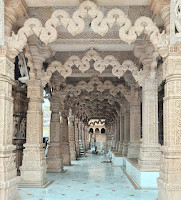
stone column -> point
(135, 126)
(117, 132)
(86, 138)
(169, 182)
(54, 157)
(33, 169)
(121, 133)
(65, 150)
(72, 136)
(77, 137)
(8, 171)
(149, 158)
(83, 135)
(126, 131)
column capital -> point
(13, 10)
(39, 55)
(157, 5)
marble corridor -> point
(111, 73)
(88, 179)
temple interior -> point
(90, 99)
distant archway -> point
(91, 130)
(103, 130)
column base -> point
(33, 169)
(149, 158)
(133, 150)
(168, 191)
(65, 153)
(8, 174)
(54, 158)
(125, 148)
(169, 182)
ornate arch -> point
(100, 86)
(100, 24)
(100, 64)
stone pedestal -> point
(169, 182)
(72, 138)
(8, 171)
(33, 169)
(54, 157)
(65, 151)
(126, 132)
(135, 127)
(149, 158)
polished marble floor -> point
(90, 178)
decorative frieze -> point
(99, 24)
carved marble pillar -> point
(83, 135)
(77, 137)
(54, 157)
(169, 182)
(8, 171)
(121, 140)
(72, 136)
(135, 127)
(33, 169)
(126, 131)
(86, 138)
(117, 132)
(149, 158)
(65, 150)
